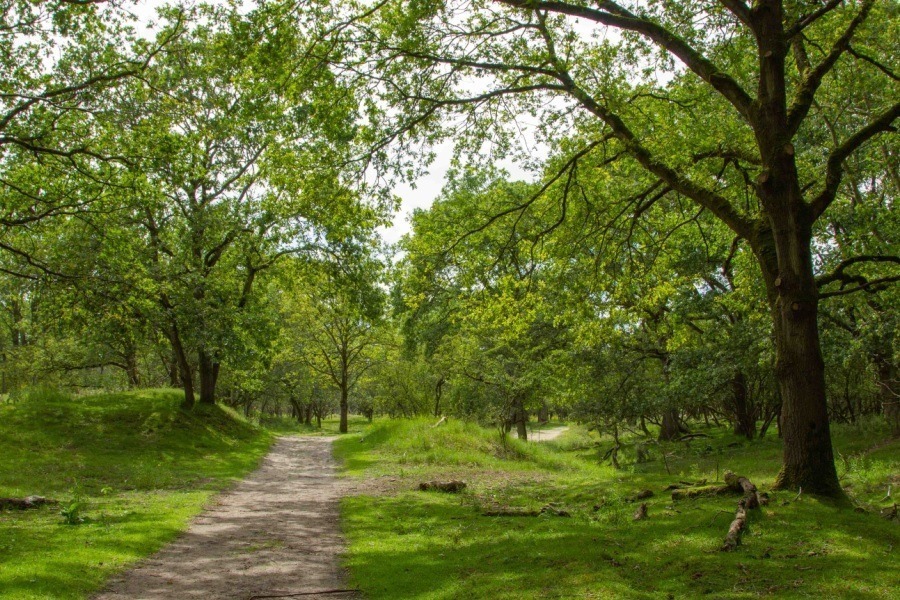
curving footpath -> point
(276, 534)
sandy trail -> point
(547, 434)
(276, 532)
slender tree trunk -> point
(184, 366)
(344, 407)
(744, 414)
(438, 392)
(521, 419)
(888, 390)
(543, 413)
(131, 365)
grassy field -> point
(411, 544)
(130, 469)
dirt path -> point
(276, 532)
(548, 434)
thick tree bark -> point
(786, 261)
(782, 241)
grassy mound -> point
(410, 544)
(129, 470)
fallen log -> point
(510, 512)
(641, 513)
(451, 487)
(513, 511)
(684, 484)
(709, 490)
(25, 503)
(750, 500)
(742, 484)
(733, 537)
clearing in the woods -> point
(132, 470)
(584, 541)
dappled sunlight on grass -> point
(412, 544)
(137, 466)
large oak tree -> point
(720, 102)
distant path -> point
(546, 435)
(276, 532)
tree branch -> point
(835, 169)
(813, 78)
(613, 15)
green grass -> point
(138, 468)
(409, 544)
(287, 425)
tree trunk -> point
(438, 392)
(344, 408)
(786, 263)
(671, 427)
(888, 390)
(743, 413)
(521, 419)
(131, 365)
(209, 372)
(543, 413)
(184, 367)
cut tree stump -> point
(25, 503)
(641, 513)
(451, 487)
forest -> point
(662, 263)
